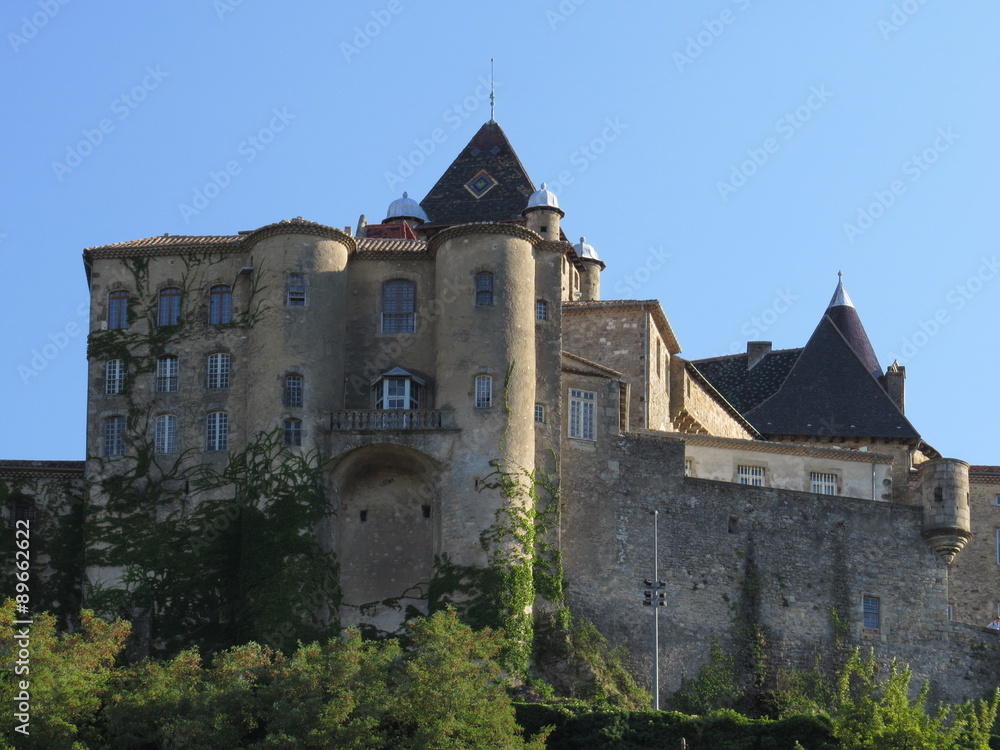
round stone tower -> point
(542, 214)
(301, 328)
(944, 490)
(486, 361)
(590, 279)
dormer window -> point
(397, 389)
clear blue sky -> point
(712, 152)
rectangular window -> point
(541, 310)
(399, 304)
(581, 414)
(296, 296)
(752, 475)
(293, 432)
(218, 370)
(118, 310)
(998, 499)
(220, 308)
(166, 374)
(170, 307)
(114, 436)
(165, 437)
(484, 391)
(951, 612)
(872, 612)
(823, 484)
(539, 414)
(689, 467)
(484, 289)
(114, 377)
(217, 431)
(292, 395)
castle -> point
(465, 333)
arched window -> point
(167, 369)
(397, 389)
(399, 304)
(484, 289)
(165, 434)
(292, 393)
(118, 309)
(220, 304)
(218, 370)
(114, 377)
(114, 436)
(217, 431)
(169, 311)
(293, 432)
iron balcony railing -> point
(390, 419)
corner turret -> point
(590, 278)
(944, 492)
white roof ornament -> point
(586, 251)
(543, 198)
(840, 295)
(406, 208)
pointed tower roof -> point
(486, 182)
(845, 317)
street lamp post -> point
(655, 597)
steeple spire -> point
(844, 316)
(493, 89)
(840, 295)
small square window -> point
(822, 483)
(541, 310)
(296, 296)
(539, 414)
(484, 391)
(872, 611)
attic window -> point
(481, 184)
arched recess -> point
(386, 532)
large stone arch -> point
(385, 532)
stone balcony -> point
(390, 420)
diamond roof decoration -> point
(481, 184)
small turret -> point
(944, 491)
(406, 209)
(542, 214)
(590, 279)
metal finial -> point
(493, 98)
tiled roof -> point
(372, 248)
(486, 182)
(652, 305)
(41, 469)
(173, 241)
(744, 388)
(985, 470)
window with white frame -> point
(118, 309)
(540, 413)
(484, 289)
(484, 391)
(220, 304)
(114, 377)
(295, 293)
(581, 414)
(169, 309)
(689, 467)
(167, 369)
(397, 389)
(871, 608)
(114, 436)
(293, 432)
(822, 483)
(218, 370)
(541, 310)
(217, 431)
(399, 306)
(165, 434)
(292, 392)
(751, 475)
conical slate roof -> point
(486, 182)
(844, 315)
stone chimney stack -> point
(756, 351)
(894, 383)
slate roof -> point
(744, 388)
(501, 194)
(830, 391)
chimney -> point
(894, 383)
(756, 351)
